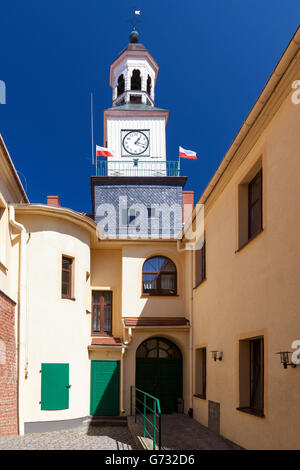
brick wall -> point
(187, 204)
(8, 367)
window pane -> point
(254, 188)
(150, 281)
(255, 219)
(96, 318)
(107, 318)
(142, 351)
(96, 297)
(159, 263)
(167, 282)
(167, 265)
(159, 275)
(163, 353)
(201, 372)
(255, 205)
(256, 376)
(152, 353)
(107, 298)
(66, 262)
(65, 276)
(151, 343)
(65, 289)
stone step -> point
(107, 421)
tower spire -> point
(134, 35)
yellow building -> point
(245, 292)
(102, 305)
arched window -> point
(136, 82)
(159, 276)
(149, 85)
(158, 348)
(121, 85)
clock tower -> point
(135, 133)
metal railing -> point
(136, 168)
(147, 409)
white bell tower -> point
(134, 129)
(133, 75)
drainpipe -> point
(21, 317)
(122, 382)
(191, 330)
(129, 336)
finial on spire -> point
(134, 35)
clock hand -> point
(137, 141)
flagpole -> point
(178, 163)
(92, 128)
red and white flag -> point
(103, 152)
(183, 153)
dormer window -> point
(149, 85)
(121, 85)
(136, 81)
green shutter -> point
(55, 387)
(105, 388)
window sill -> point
(202, 397)
(249, 411)
(248, 241)
(102, 335)
(200, 283)
(146, 296)
(68, 298)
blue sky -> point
(215, 57)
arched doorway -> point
(159, 371)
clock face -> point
(135, 142)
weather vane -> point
(135, 17)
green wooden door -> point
(55, 386)
(160, 376)
(105, 388)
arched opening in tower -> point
(136, 82)
(149, 85)
(121, 85)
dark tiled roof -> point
(106, 341)
(155, 321)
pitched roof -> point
(106, 341)
(155, 321)
(12, 169)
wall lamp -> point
(217, 355)
(285, 359)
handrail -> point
(137, 167)
(155, 426)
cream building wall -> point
(133, 302)
(117, 266)
(106, 274)
(11, 191)
(254, 291)
(57, 329)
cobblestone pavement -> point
(180, 432)
(80, 438)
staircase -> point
(107, 421)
